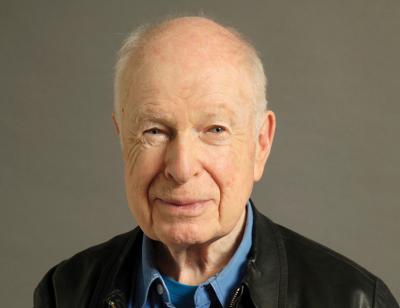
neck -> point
(195, 264)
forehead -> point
(191, 48)
(195, 64)
(164, 91)
(215, 84)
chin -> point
(186, 235)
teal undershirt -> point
(182, 295)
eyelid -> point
(151, 125)
(153, 128)
(224, 128)
(160, 136)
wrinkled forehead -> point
(167, 88)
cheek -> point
(142, 162)
(232, 170)
(141, 166)
(231, 166)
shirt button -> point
(160, 289)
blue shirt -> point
(182, 295)
(151, 286)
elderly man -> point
(195, 132)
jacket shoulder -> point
(301, 249)
(78, 276)
(328, 277)
(95, 258)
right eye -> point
(155, 136)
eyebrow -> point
(228, 112)
(146, 113)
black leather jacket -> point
(284, 270)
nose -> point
(181, 159)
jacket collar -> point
(265, 279)
(115, 282)
(267, 274)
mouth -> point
(190, 207)
(182, 202)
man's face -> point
(189, 149)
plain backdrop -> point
(333, 174)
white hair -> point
(137, 38)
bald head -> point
(193, 39)
(188, 43)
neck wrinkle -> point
(193, 265)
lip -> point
(183, 207)
(183, 202)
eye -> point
(155, 136)
(153, 131)
(217, 129)
(216, 134)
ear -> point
(264, 143)
(116, 126)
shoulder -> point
(79, 276)
(328, 275)
(95, 258)
(313, 275)
(315, 257)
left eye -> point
(153, 131)
(217, 129)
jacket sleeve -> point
(383, 296)
(44, 295)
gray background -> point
(333, 174)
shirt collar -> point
(226, 281)
(147, 273)
(223, 283)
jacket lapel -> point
(116, 281)
(266, 277)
